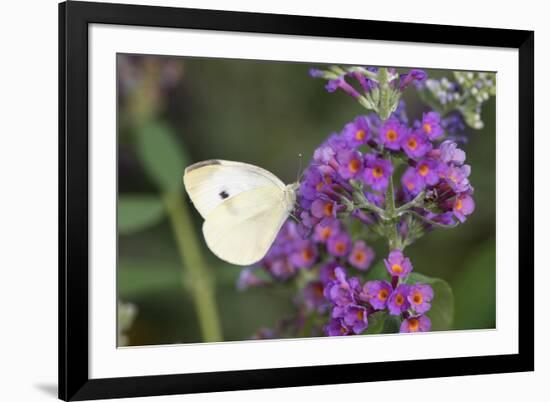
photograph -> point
(262, 200)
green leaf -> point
(138, 212)
(391, 324)
(376, 322)
(442, 312)
(161, 155)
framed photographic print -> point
(256, 200)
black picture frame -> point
(74, 19)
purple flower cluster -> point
(366, 151)
(380, 175)
(353, 303)
(442, 175)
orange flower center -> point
(307, 254)
(427, 128)
(377, 172)
(396, 268)
(417, 298)
(399, 299)
(328, 209)
(412, 143)
(410, 185)
(340, 247)
(423, 170)
(383, 294)
(360, 315)
(458, 204)
(325, 233)
(321, 184)
(318, 290)
(359, 256)
(413, 325)
(360, 135)
(391, 135)
(354, 166)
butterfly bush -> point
(379, 177)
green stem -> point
(431, 222)
(416, 202)
(196, 272)
(362, 202)
(393, 235)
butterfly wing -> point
(212, 182)
(241, 229)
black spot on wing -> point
(224, 194)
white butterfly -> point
(244, 207)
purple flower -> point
(420, 296)
(427, 171)
(324, 208)
(327, 150)
(391, 134)
(307, 221)
(463, 206)
(415, 144)
(340, 83)
(313, 183)
(248, 279)
(324, 230)
(314, 298)
(304, 254)
(377, 172)
(357, 132)
(336, 328)
(397, 264)
(366, 83)
(350, 163)
(339, 245)
(280, 269)
(342, 291)
(376, 293)
(316, 73)
(457, 178)
(361, 255)
(327, 272)
(355, 317)
(431, 125)
(445, 218)
(450, 153)
(419, 323)
(398, 302)
(413, 75)
(412, 184)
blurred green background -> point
(175, 111)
